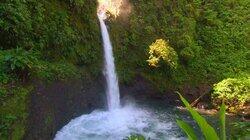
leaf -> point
(222, 121)
(7, 57)
(207, 130)
(187, 129)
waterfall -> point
(112, 90)
(118, 122)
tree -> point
(161, 50)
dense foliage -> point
(160, 50)
(60, 39)
(211, 39)
(234, 92)
(37, 35)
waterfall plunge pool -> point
(151, 119)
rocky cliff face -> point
(53, 105)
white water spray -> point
(112, 91)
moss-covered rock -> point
(14, 112)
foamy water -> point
(118, 124)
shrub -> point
(22, 63)
(17, 59)
(235, 92)
(161, 50)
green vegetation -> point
(240, 131)
(161, 50)
(234, 92)
(190, 43)
(211, 39)
(207, 130)
(48, 45)
(13, 113)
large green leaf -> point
(222, 122)
(187, 129)
(207, 130)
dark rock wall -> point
(53, 106)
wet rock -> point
(53, 105)
(202, 105)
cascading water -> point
(118, 122)
(112, 91)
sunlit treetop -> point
(161, 50)
(110, 6)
